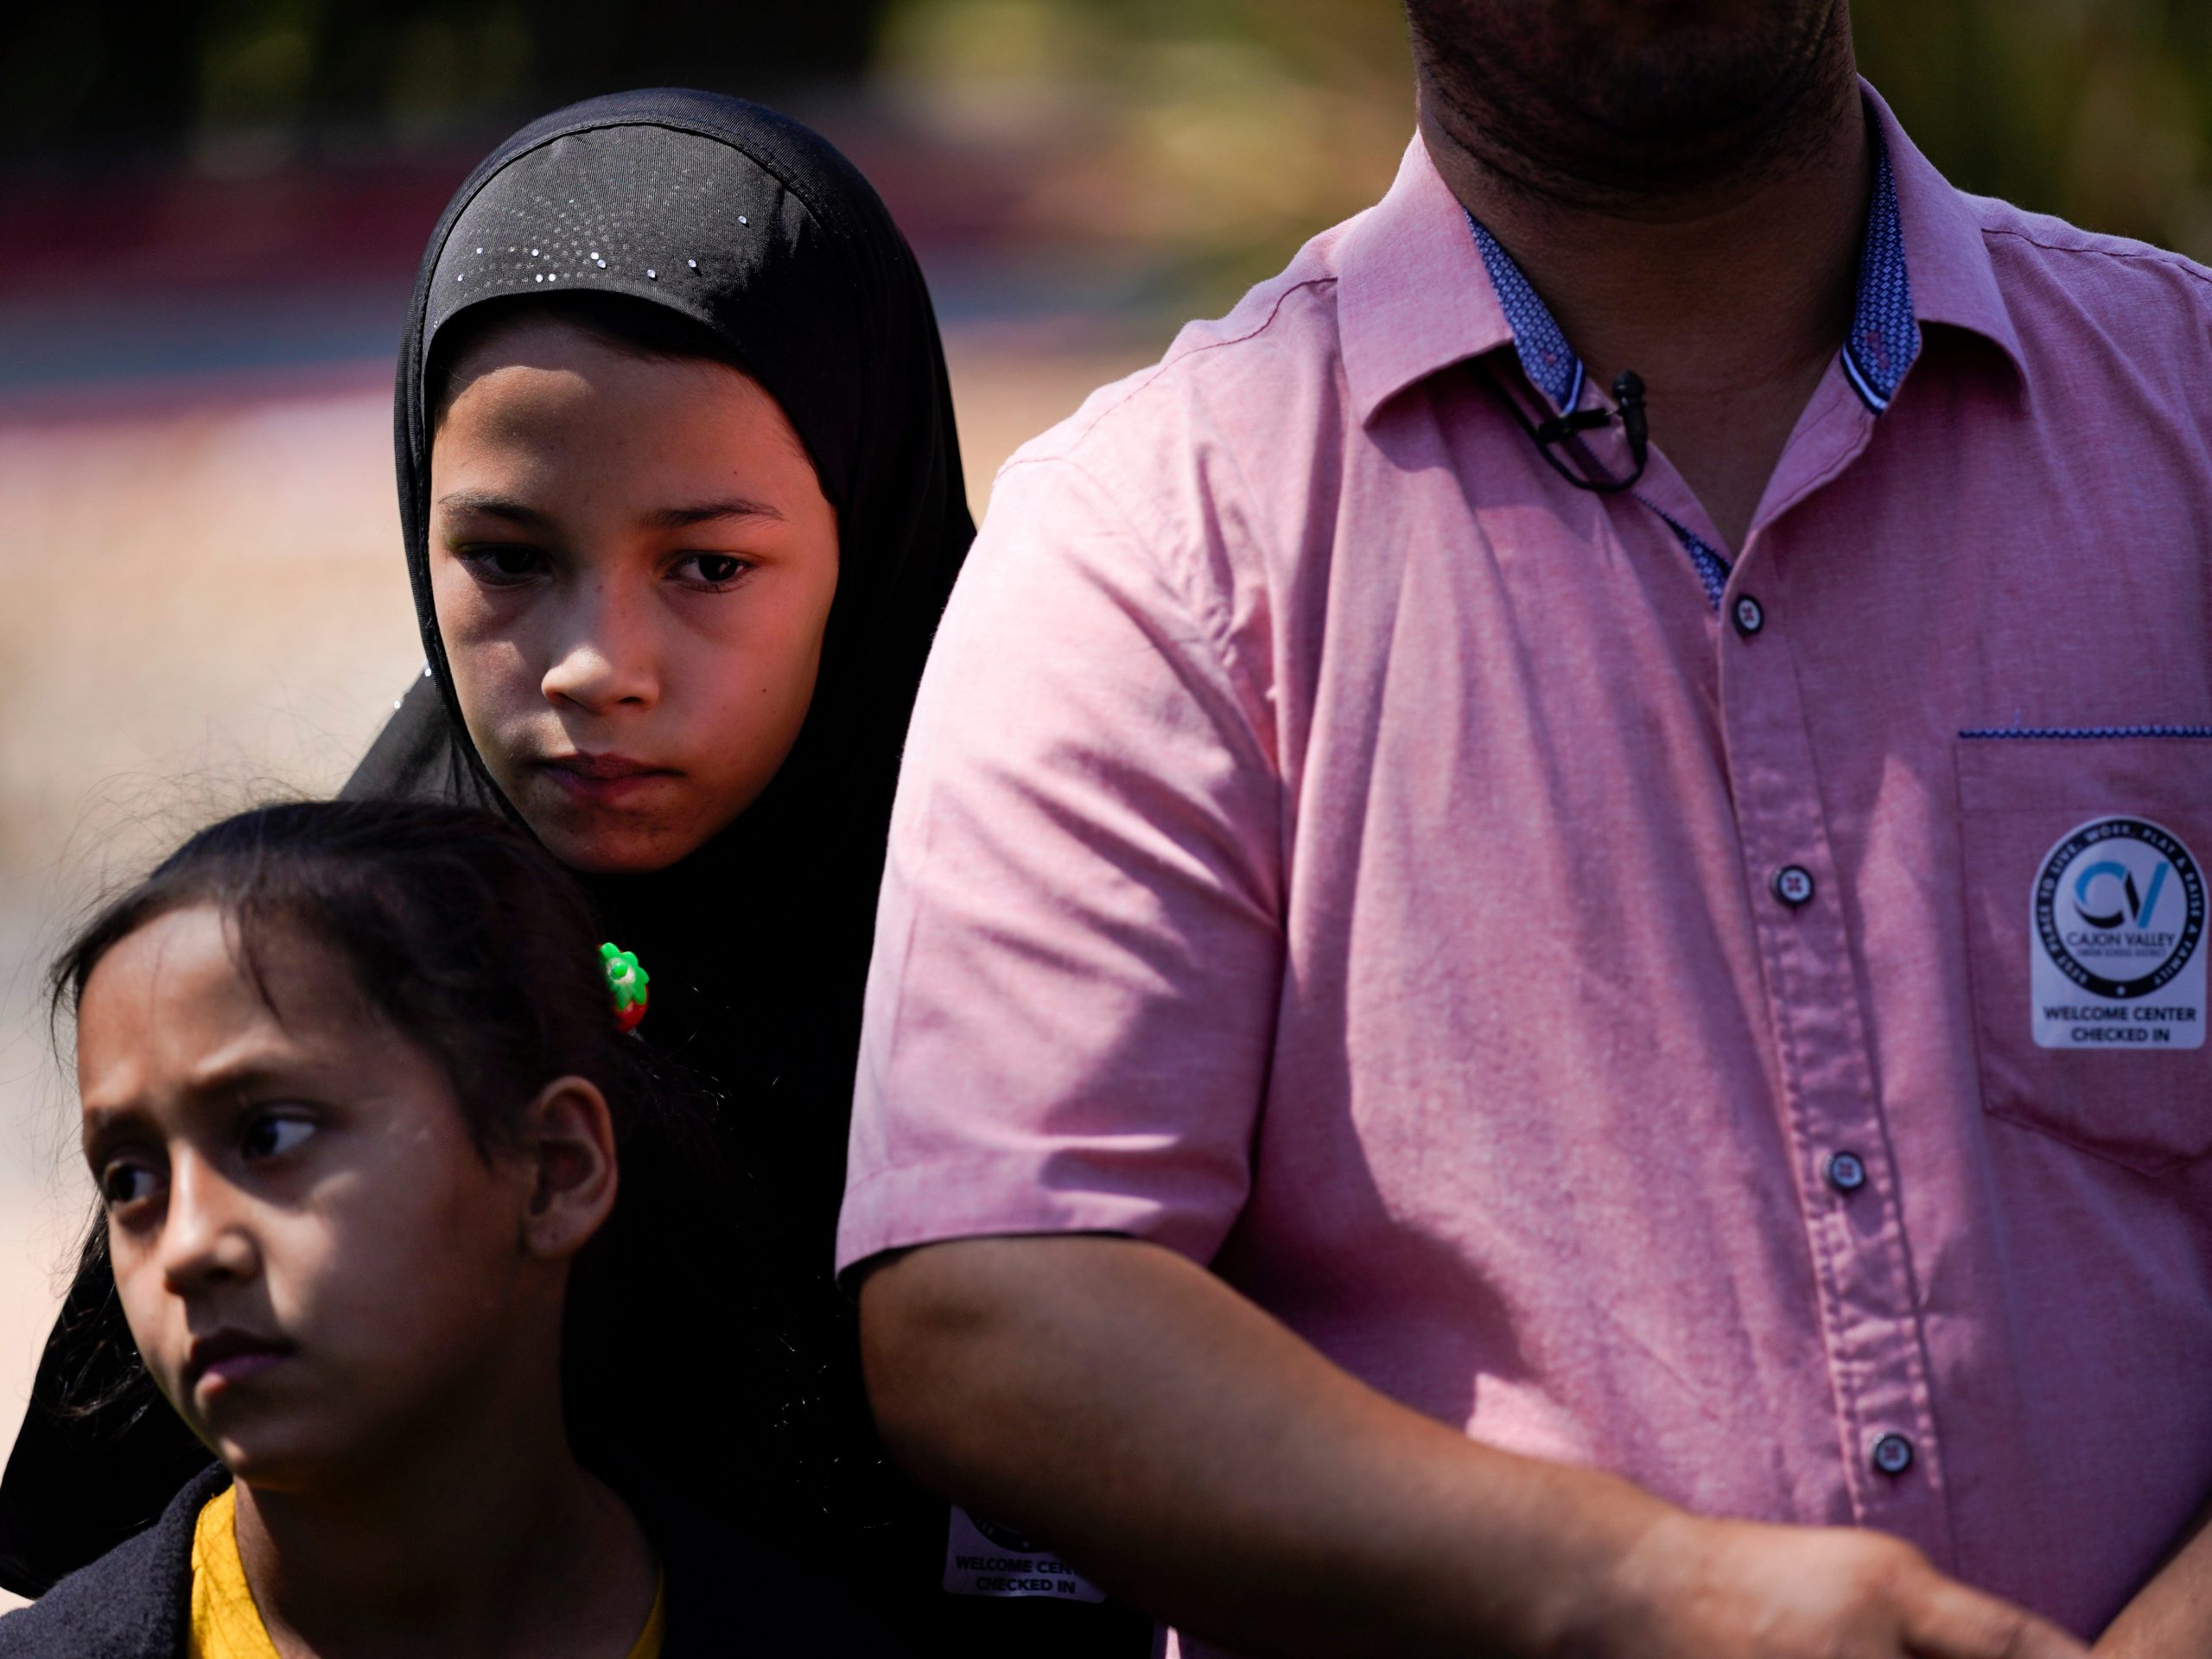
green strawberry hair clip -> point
(627, 982)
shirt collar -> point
(1939, 228)
(1412, 295)
(1417, 294)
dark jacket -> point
(727, 1594)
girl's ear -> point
(567, 1141)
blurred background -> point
(210, 213)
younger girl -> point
(377, 1166)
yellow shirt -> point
(226, 1624)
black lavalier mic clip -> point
(1588, 474)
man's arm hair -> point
(1191, 1453)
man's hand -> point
(1186, 1450)
(1695, 1589)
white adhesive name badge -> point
(2116, 925)
(984, 1559)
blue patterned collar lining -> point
(1884, 336)
(1885, 339)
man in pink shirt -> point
(1542, 985)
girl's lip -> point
(605, 767)
(605, 780)
(229, 1358)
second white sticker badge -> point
(2116, 927)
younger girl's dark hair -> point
(470, 940)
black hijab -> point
(756, 230)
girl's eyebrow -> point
(243, 1074)
(496, 507)
(101, 1124)
(685, 518)
(515, 513)
(247, 1074)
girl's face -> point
(633, 564)
(317, 1263)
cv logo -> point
(2120, 908)
(2136, 909)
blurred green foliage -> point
(2099, 110)
(1206, 137)
(233, 83)
(1214, 132)
(1233, 127)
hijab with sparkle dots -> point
(757, 229)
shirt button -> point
(1793, 885)
(1892, 1455)
(1846, 1172)
(1750, 616)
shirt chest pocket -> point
(2085, 935)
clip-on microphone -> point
(1627, 395)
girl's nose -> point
(205, 1239)
(606, 660)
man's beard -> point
(1602, 100)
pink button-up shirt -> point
(1603, 1012)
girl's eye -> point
(126, 1182)
(274, 1135)
(713, 569)
(502, 562)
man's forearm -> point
(2170, 1618)
(1185, 1449)
(1192, 1453)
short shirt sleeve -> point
(1078, 947)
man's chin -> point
(1638, 97)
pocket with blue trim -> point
(2085, 894)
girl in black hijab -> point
(678, 227)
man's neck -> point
(1730, 301)
(488, 1541)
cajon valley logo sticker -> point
(2118, 922)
